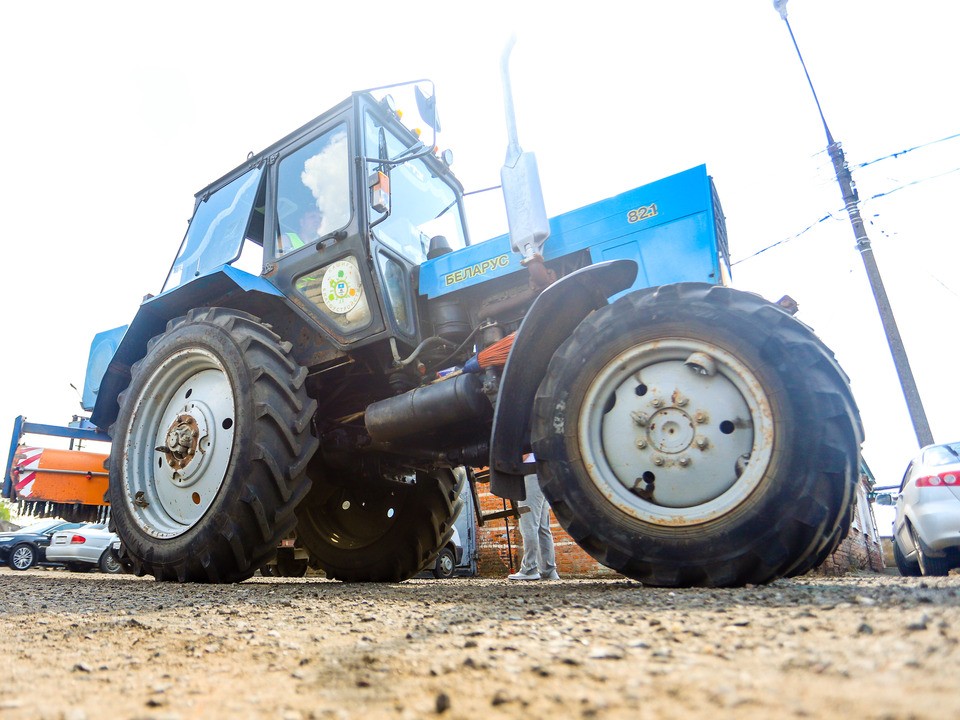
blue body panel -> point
(102, 350)
(123, 342)
(668, 227)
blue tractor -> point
(331, 353)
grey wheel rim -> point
(446, 564)
(676, 432)
(180, 441)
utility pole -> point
(851, 201)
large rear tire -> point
(379, 530)
(829, 546)
(695, 435)
(210, 449)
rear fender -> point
(227, 287)
(550, 320)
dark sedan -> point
(22, 549)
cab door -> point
(319, 250)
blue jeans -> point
(538, 550)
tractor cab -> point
(321, 234)
(307, 213)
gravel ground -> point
(85, 646)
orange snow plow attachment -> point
(59, 476)
(50, 482)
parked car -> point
(22, 549)
(85, 548)
(926, 528)
(449, 558)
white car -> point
(926, 529)
(449, 558)
(84, 548)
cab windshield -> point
(423, 205)
(216, 232)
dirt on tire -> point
(865, 646)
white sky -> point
(115, 113)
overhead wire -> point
(913, 182)
(908, 150)
(831, 215)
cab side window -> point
(313, 191)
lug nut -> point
(657, 460)
(684, 461)
(641, 444)
(657, 402)
(701, 442)
(639, 418)
(700, 417)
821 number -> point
(644, 212)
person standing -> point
(539, 558)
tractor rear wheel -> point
(695, 435)
(379, 530)
(210, 449)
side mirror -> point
(427, 106)
(379, 181)
(884, 499)
(380, 191)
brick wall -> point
(862, 548)
(856, 552)
(495, 551)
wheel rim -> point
(22, 558)
(676, 432)
(350, 520)
(446, 564)
(110, 563)
(921, 560)
(180, 441)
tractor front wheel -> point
(695, 435)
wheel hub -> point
(186, 441)
(182, 440)
(671, 431)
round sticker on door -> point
(341, 287)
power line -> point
(904, 152)
(914, 182)
(807, 229)
(831, 216)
